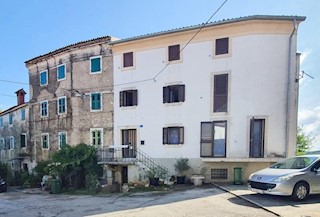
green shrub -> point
(3, 170)
(92, 183)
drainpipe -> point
(288, 89)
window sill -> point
(173, 145)
(96, 110)
(94, 73)
(173, 103)
(128, 107)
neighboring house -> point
(71, 97)
(15, 149)
(227, 99)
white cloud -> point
(310, 122)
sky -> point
(30, 28)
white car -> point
(296, 177)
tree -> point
(304, 141)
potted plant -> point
(181, 165)
(152, 175)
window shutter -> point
(165, 136)
(121, 98)
(166, 94)
(181, 135)
(174, 52)
(135, 97)
(93, 101)
(98, 101)
(181, 93)
(95, 64)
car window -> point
(315, 166)
(294, 163)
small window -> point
(222, 46)
(23, 114)
(174, 93)
(173, 135)
(43, 78)
(62, 139)
(96, 136)
(45, 140)
(62, 105)
(44, 109)
(61, 72)
(96, 102)
(1, 122)
(128, 98)
(174, 52)
(95, 65)
(220, 101)
(128, 59)
(219, 173)
(23, 140)
(2, 144)
(10, 118)
(11, 143)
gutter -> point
(288, 89)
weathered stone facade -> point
(77, 87)
(15, 147)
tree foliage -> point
(304, 141)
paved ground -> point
(282, 206)
(206, 201)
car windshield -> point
(294, 163)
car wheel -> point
(300, 191)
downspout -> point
(288, 89)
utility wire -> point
(14, 82)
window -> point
(44, 109)
(1, 121)
(61, 72)
(23, 140)
(11, 143)
(174, 93)
(173, 135)
(128, 59)
(2, 144)
(128, 98)
(219, 173)
(222, 46)
(96, 102)
(45, 140)
(220, 101)
(62, 138)
(43, 78)
(95, 65)
(62, 105)
(23, 114)
(213, 139)
(96, 136)
(174, 52)
(257, 129)
(10, 118)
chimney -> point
(20, 96)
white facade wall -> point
(257, 68)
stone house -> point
(226, 99)
(15, 147)
(71, 97)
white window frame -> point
(41, 141)
(59, 140)
(11, 143)
(96, 129)
(98, 72)
(101, 103)
(10, 114)
(46, 71)
(44, 101)
(65, 98)
(25, 145)
(65, 72)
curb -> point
(246, 199)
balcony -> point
(117, 155)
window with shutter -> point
(220, 101)
(62, 138)
(174, 52)
(62, 105)
(23, 140)
(174, 93)
(128, 59)
(96, 104)
(45, 141)
(222, 46)
(44, 109)
(95, 65)
(43, 78)
(128, 98)
(257, 130)
(61, 72)
(23, 114)
(173, 135)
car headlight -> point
(250, 177)
(283, 178)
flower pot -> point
(181, 179)
(197, 180)
(154, 181)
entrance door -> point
(129, 138)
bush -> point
(92, 183)
(181, 165)
(3, 170)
